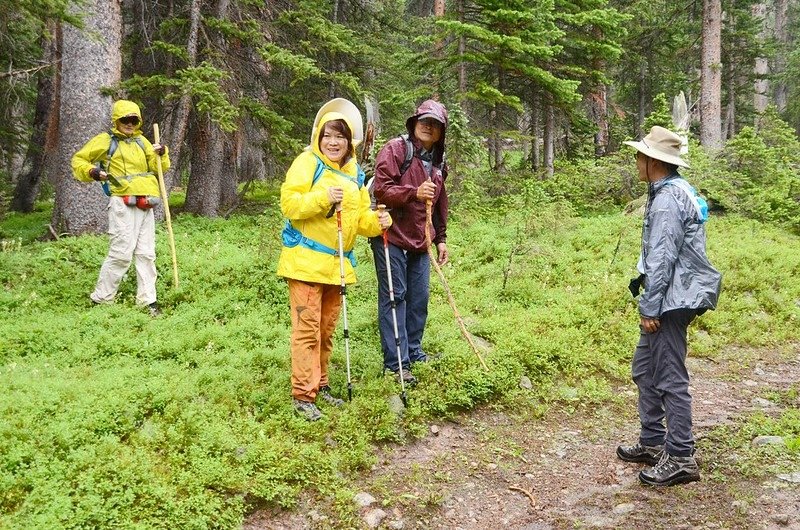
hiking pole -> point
(394, 310)
(450, 298)
(165, 202)
(344, 300)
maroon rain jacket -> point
(399, 192)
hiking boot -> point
(325, 394)
(645, 454)
(408, 378)
(306, 409)
(671, 470)
(154, 309)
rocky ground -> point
(493, 470)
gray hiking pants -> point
(659, 370)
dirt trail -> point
(489, 470)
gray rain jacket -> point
(677, 273)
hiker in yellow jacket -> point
(323, 175)
(124, 162)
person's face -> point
(127, 124)
(641, 165)
(428, 132)
(333, 144)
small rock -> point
(624, 508)
(794, 478)
(749, 382)
(530, 476)
(525, 382)
(397, 525)
(741, 506)
(435, 430)
(492, 466)
(396, 405)
(762, 403)
(374, 517)
(781, 519)
(759, 371)
(364, 499)
(758, 441)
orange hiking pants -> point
(315, 311)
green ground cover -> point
(113, 419)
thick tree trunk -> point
(761, 69)
(729, 124)
(711, 75)
(782, 37)
(88, 63)
(45, 126)
(598, 113)
(211, 181)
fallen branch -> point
(526, 492)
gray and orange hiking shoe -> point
(644, 454)
(671, 470)
(306, 409)
(325, 394)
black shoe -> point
(154, 309)
(644, 454)
(671, 470)
(325, 394)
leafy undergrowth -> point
(184, 421)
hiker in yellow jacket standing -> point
(322, 176)
(124, 162)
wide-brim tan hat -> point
(661, 144)
(350, 112)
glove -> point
(160, 149)
(97, 174)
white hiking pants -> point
(132, 233)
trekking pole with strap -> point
(343, 292)
(450, 298)
(394, 311)
(165, 201)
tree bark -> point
(549, 137)
(783, 39)
(45, 126)
(536, 118)
(211, 184)
(176, 134)
(761, 69)
(711, 75)
(462, 48)
(88, 63)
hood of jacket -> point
(440, 113)
(331, 116)
(122, 108)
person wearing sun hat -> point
(323, 175)
(679, 284)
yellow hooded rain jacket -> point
(133, 168)
(306, 205)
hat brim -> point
(431, 116)
(349, 111)
(658, 155)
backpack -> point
(699, 203)
(112, 148)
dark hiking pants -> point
(411, 282)
(659, 370)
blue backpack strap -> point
(292, 237)
(321, 166)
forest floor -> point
(492, 469)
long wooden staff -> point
(165, 202)
(450, 298)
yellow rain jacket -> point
(133, 167)
(306, 205)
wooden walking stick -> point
(450, 298)
(165, 201)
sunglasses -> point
(129, 120)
